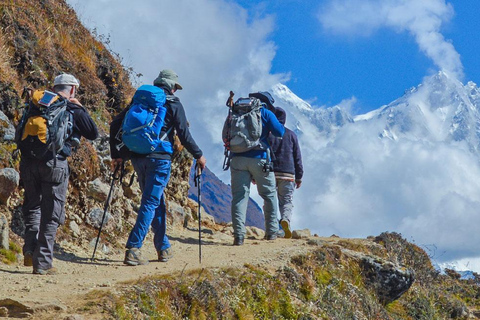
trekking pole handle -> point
(230, 99)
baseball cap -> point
(66, 79)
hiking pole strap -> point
(118, 167)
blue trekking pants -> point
(153, 175)
(43, 207)
(243, 170)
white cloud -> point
(358, 184)
(213, 45)
(422, 19)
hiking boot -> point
(45, 272)
(133, 257)
(271, 237)
(165, 255)
(286, 228)
(28, 259)
(238, 241)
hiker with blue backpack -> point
(144, 133)
(48, 131)
(248, 156)
(288, 169)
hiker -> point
(153, 170)
(253, 164)
(45, 178)
(288, 170)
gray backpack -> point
(243, 127)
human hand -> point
(298, 183)
(202, 162)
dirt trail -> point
(78, 275)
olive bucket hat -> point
(169, 78)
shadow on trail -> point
(16, 271)
(63, 255)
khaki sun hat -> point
(66, 79)
(168, 77)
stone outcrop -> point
(4, 232)
(9, 180)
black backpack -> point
(45, 126)
(118, 149)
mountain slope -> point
(217, 198)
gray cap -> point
(66, 79)
(168, 77)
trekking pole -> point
(198, 184)
(114, 178)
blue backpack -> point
(144, 121)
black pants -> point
(43, 207)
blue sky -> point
(326, 68)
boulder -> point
(9, 180)
(7, 130)
(388, 280)
(98, 190)
(94, 218)
(4, 231)
(301, 234)
(254, 232)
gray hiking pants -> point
(243, 170)
(43, 207)
(285, 190)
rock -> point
(74, 317)
(255, 232)
(175, 215)
(15, 309)
(388, 280)
(301, 234)
(94, 217)
(98, 190)
(4, 232)
(75, 228)
(7, 130)
(9, 180)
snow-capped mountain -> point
(440, 109)
(411, 166)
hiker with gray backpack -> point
(48, 131)
(144, 133)
(245, 132)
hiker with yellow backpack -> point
(49, 129)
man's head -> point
(281, 115)
(66, 83)
(169, 79)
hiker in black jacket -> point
(46, 181)
(288, 170)
(153, 172)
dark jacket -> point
(83, 126)
(174, 119)
(270, 124)
(286, 150)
